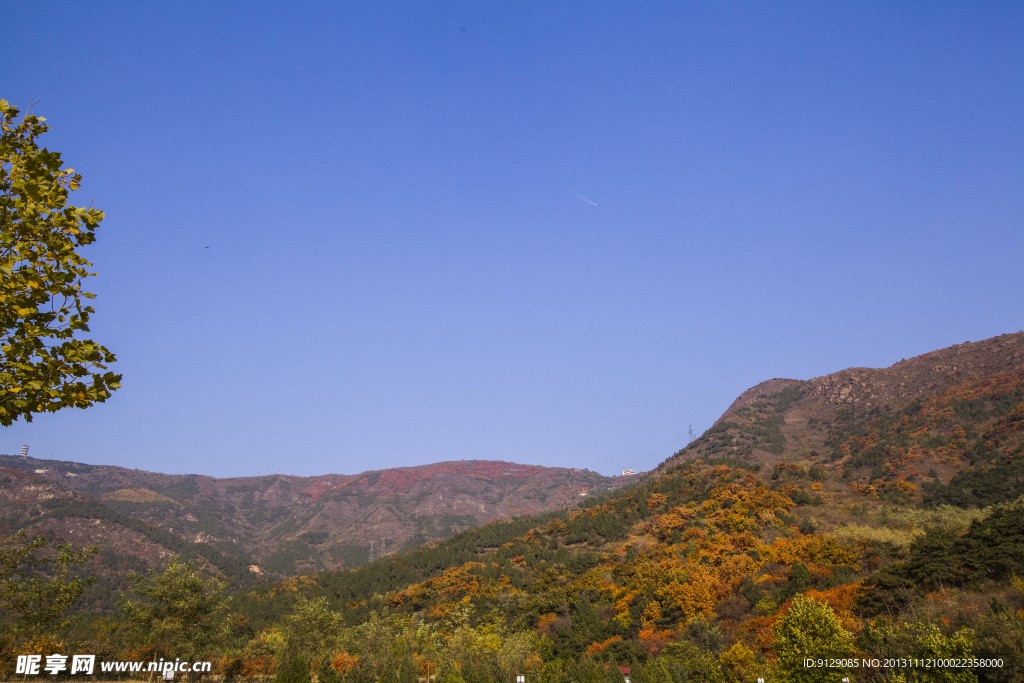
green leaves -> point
(43, 365)
(810, 631)
(177, 614)
(34, 585)
(311, 628)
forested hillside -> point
(871, 514)
(248, 529)
(865, 491)
(945, 427)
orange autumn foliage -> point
(841, 599)
(343, 662)
(264, 665)
(545, 622)
(598, 648)
(653, 640)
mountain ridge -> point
(804, 431)
(801, 491)
(277, 525)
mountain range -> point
(946, 427)
(274, 526)
(892, 497)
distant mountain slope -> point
(280, 525)
(946, 426)
(44, 507)
(803, 487)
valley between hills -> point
(870, 513)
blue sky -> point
(347, 236)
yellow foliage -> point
(906, 486)
(676, 518)
(819, 549)
(554, 526)
(858, 531)
(741, 664)
(656, 500)
(1018, 584)
(545, 622)
(864, 489)
(41, 645)
(622, 608)
(651, 614)
(696, 595)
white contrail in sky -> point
(577, 194)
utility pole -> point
(372, 543)
(690, 432)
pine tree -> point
(363, 674)
(613, 674)
(449, 673)
(407, 669)
(659, 671)
(294, 670)
(586, 627)
(327, 673)
(590, 671)
(571, 670)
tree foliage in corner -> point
(43, 365)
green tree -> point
(294, 670)
(613, 674)
(705, 635)
(176, 613)
(407, 668)
(1000, 635)
(553, 672)
(44, 367)
(449, 673)
(586, 626)
(811, 630)
(689, 662)
(656, 670)
(924, 641)
(326, 673)
(589, 671)
(516, 649)
(35, 590)
(311, 628)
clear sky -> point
(349, 236)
